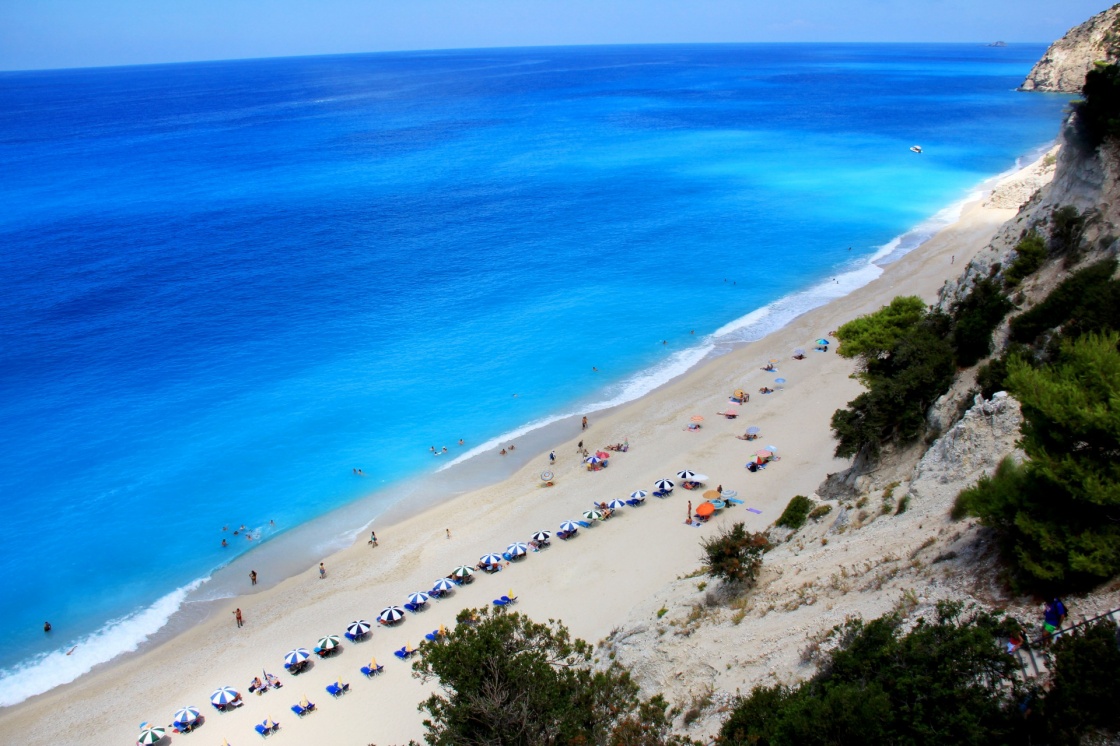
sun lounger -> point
(300, 710)
(412, 607)
(507, 556)
(510, 599)
(500, 602)
(370, 671)
(264, 730)
(584, 524)
(337, 691)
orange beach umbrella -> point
(704, 509)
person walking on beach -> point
(237, 618)
(322, 571)
(689, 519)
(579, 445)
(253, 576)
(373, 538)
(448, 533)
(552, 458)
(584, 423)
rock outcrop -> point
(1062, 69)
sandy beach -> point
(591, 583)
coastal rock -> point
(971, 448)
(1062, 69)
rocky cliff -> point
(1062, 69)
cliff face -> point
(1062, 69)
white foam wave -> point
(57, 667)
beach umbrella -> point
(779, 380)
(823, 342)
(699, 477)
(419, 598)
(542, 536)
(712, 494)
(359, 628)
(462, 571)
(299, 655)
(391, 614)
(764, 453)
(186, 715)
(593, 515)
(546, 476)
(443, 585)
(704, 509)
(602, 454)
(616, 504)
(593, 460)
(517, 549)
(686, 475)
(664, 484)
(697, 418)
(568, 526)
(150, 735)
(739, 393)
(638, 495)
(720, 505)
(330, 642)
(798, 351)
(752, 430)
(491, 559)
(225, 695)
(772, 448)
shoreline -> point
(483, 515)
(204, 597)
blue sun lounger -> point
(584, 524)
(369, 673)
(300, 710)
(337, 691)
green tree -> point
(506, 680)
(734, 554)
(902, 381)
(1084, 687)
(1086, 301)
(876, 334)
(944, 682)
(1059, 514)
(1030, 253)
(974, 318)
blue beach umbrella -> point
(638, 495)
(664, 484)
(773, 449)
(685, 474)
(540, 536)
(224, 696)
(779, 380)
(616, 504)
(752, 430)
(490, 559)
(517, 548)
(593, 460)
(568, 526)
(186, 715)
(443, 585)
(299, 655)
(391, 614)
(419, 598)
(823, 342)
(358, 628)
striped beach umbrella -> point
(664, 484)
(443, 585)
(546, 476)
(686, 475)
(224, 696)
(752, 430)
(593, 460)
(616, 504)
(359, 628)
(391, 614)
(490, 559)
(517, 549)
(462, 571)
(151, 735)
(638, 495)
(593, 515)
(186, 715)
(330, 642)
(568, 526)
(294, 657)
(542, 536)
(419, 598)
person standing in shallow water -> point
(253, 576)
(322, 571)
(584, 423)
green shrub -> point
(795, 513)
(1086, 301)
(734, 554)
(1098, 113)
(974, 318)
(903, 504)
(1067, 226)
(819, 512)
(944, 682)
(1084, 689)
(1030, 253)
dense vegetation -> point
(944, 682)
(506, 680)
(1098, 113)
(975, 317)
(1084, 691)
(734, 554)
(1086, 301)
(1030, 253)
(796, 512)
(1059, 513)
(907, 362)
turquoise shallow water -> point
(224, 286)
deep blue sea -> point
(226, 285)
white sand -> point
(591, 582)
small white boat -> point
(915, 148)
